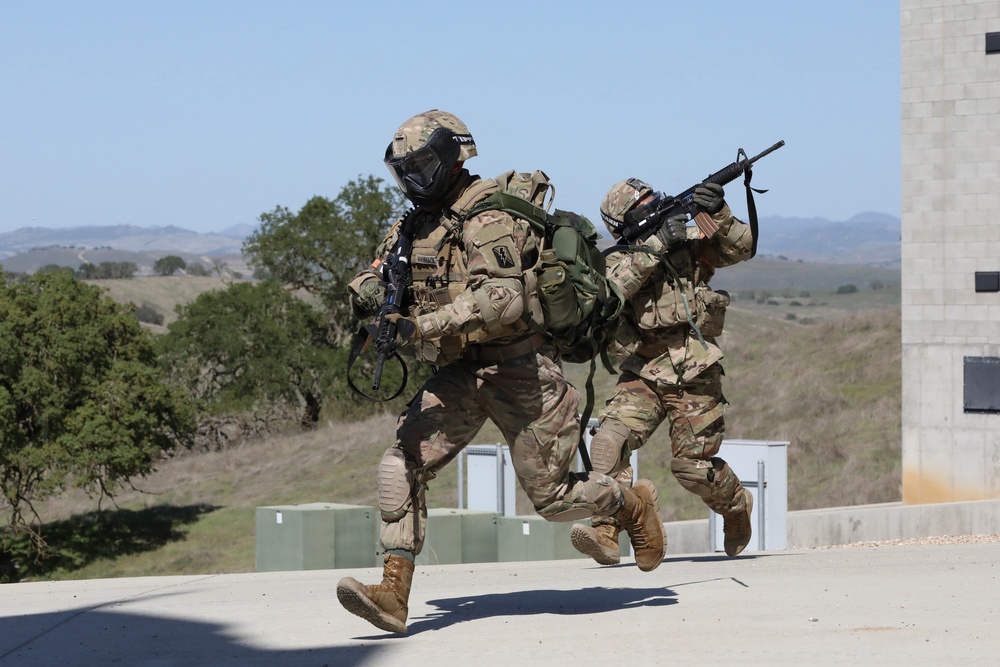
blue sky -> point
(205, 114)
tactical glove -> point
(368, 300)
(406, 327)
(673, 231)
(710, 196)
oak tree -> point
(83, 401)
(322, 247)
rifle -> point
(666, 207)
(396, 277)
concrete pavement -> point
(888, 605)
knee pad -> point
(608, 446)
(395, 486)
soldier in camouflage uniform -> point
(465, 305)
(671, 371)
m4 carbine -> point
(684, 204)
(396, 278)
(396, 274)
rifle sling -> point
(358, 343)
(752, 209)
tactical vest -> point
(440, 275)
(680, 297)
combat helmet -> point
(424, 152)
(620, 200)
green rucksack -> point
(576, 305)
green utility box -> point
(534, 538)
(316, 536)
(459, 536)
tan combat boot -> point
(383, 605)
(599, 542)
(640, 518)
(737, 528)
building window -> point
(982, 384)
(993, 42)
(988, 281)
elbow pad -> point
(500, 302)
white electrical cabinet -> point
(491, 480)
(762, 466)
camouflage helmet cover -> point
(415, 132)
(620, 199)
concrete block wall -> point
(860, 523)
(950, 112)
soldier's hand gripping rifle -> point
(396, 278)
(396, 270)
(664, 207)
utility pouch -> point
(451, 348)
(712, 312)
(557, 293)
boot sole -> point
(655, 495)
(584, 542)
(647, 493)
(735, 549)
(354, 601)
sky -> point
(205, 114)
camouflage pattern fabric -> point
(496, 247)
(694, 415)
(414, 133)
(470, 289)
(484, 263)
(533, 405)
(671, 371)
(620, 199)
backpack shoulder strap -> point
(473, 196)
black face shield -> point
(425, 174)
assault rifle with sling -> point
(667, 207)
(396, 278)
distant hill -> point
(869, 239)
(238, 231)
(165, 240)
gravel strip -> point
(917, 541)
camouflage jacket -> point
(467, 276)
(672, 317)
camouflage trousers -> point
(535, 408)
(694, 412)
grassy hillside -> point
(162, 293)
(778, 275)
(72, 257)
(831, 388)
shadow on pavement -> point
(103, 534)
(91, 636)
(579, 601)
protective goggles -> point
(419, 171)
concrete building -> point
(950, 75)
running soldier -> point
(672, 370)
(464, 316)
